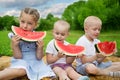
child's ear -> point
(85, 28)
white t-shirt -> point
(89, 47)
(52, 50)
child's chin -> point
(95, 37)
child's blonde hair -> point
(62, 23)
(92, 20)
(31, 11)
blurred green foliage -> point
(106, 10)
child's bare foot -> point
(115, 74)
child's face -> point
(92, 32)
(60, 33)
(27, 22)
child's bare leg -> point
(113, 70)
(10, 73)
(61, 73)
(114, 67)
(91, 69)
(74, 75)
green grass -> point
(4, 43)
(72, 38)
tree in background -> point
(6, 22)
(107, 10)
(47, 24)
(113, 15)
(71, 14)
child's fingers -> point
(61, 52)
(80, 55)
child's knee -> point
(91, 69)
(19, 72)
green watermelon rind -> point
(26, 39)
(67, 53)
(102, 52)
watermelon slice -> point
(106, 48)
(70, 49)
(28, 35)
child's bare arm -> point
(15, 47)
(40, 52)
(51, 58)
(70, 59)
(86, 59)
(98, 57)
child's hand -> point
(60, 54)
(80, 55)
(15, 40)
(99, 55)
(40, 43)
(115, 50)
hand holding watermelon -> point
(100, 55)
(106, 48)
(15, 40)
(30, 36)
(40, 44)
(60, 54)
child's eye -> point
(63, 34)
(30, 23)
(57, 33)
(22, 21)
(95, 29)
(99, 29)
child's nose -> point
(59, 36)
(25, 26)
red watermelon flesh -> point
(107, 48)
(28, 35)
(70, 49)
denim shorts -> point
(81, 68)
